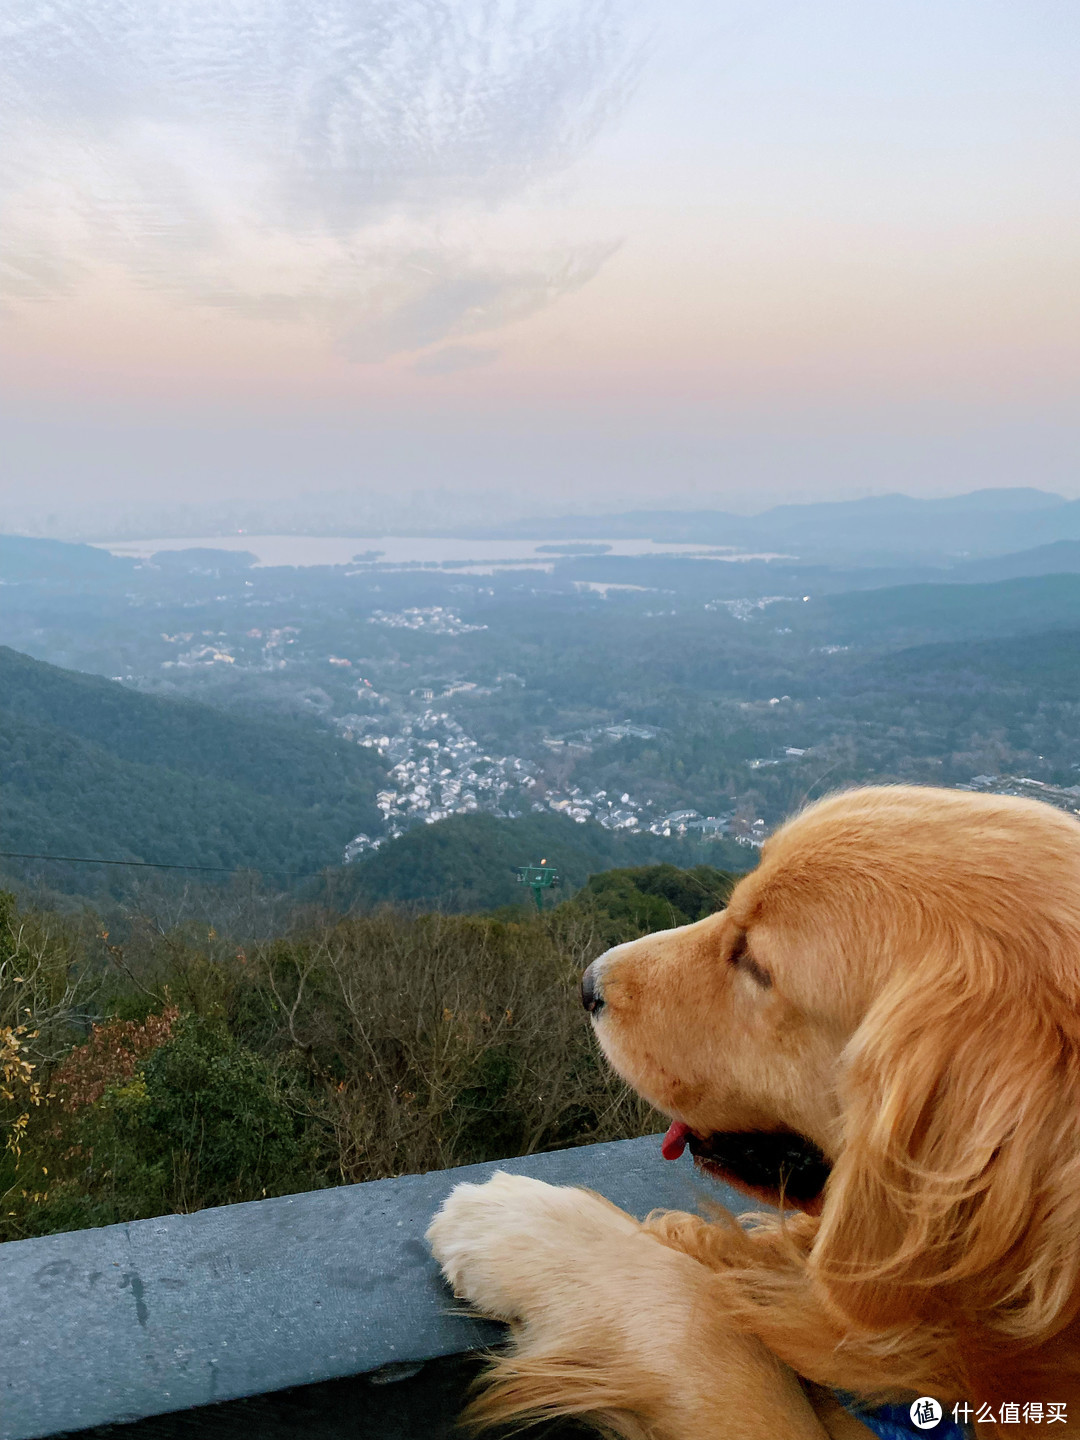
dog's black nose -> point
(591, 995)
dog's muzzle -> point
(592, 996)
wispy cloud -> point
(420, 300)
(253, 153)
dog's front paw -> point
(513, 1245)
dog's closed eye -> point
(741, 958)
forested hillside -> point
(616, 690)
(52, 563)
(467, 862)
(909, 614)
(1005, 676)
(91, 768)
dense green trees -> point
(653, 897)
(178, 1070)
(89, 767)
(467, 862)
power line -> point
(155, 865)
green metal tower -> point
(538, 878)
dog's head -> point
(885, 1024)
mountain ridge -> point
(89, 767)
(988, 522)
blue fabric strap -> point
(893, 1422)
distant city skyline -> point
(543, 253)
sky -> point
(417, 259)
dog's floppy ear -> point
(956, 1196)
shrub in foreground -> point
(177, 1070)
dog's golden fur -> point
(899, 982)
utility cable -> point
(156, 865)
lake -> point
(406, 550)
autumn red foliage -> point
(110, 1056)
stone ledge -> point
(110, 1326)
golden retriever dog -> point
(881, 1034)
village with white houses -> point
(437, 770)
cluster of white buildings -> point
(614, 812)
(744, 609)
(437, 770)
(436, 619)
(209, 648)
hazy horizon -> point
(493, 261)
